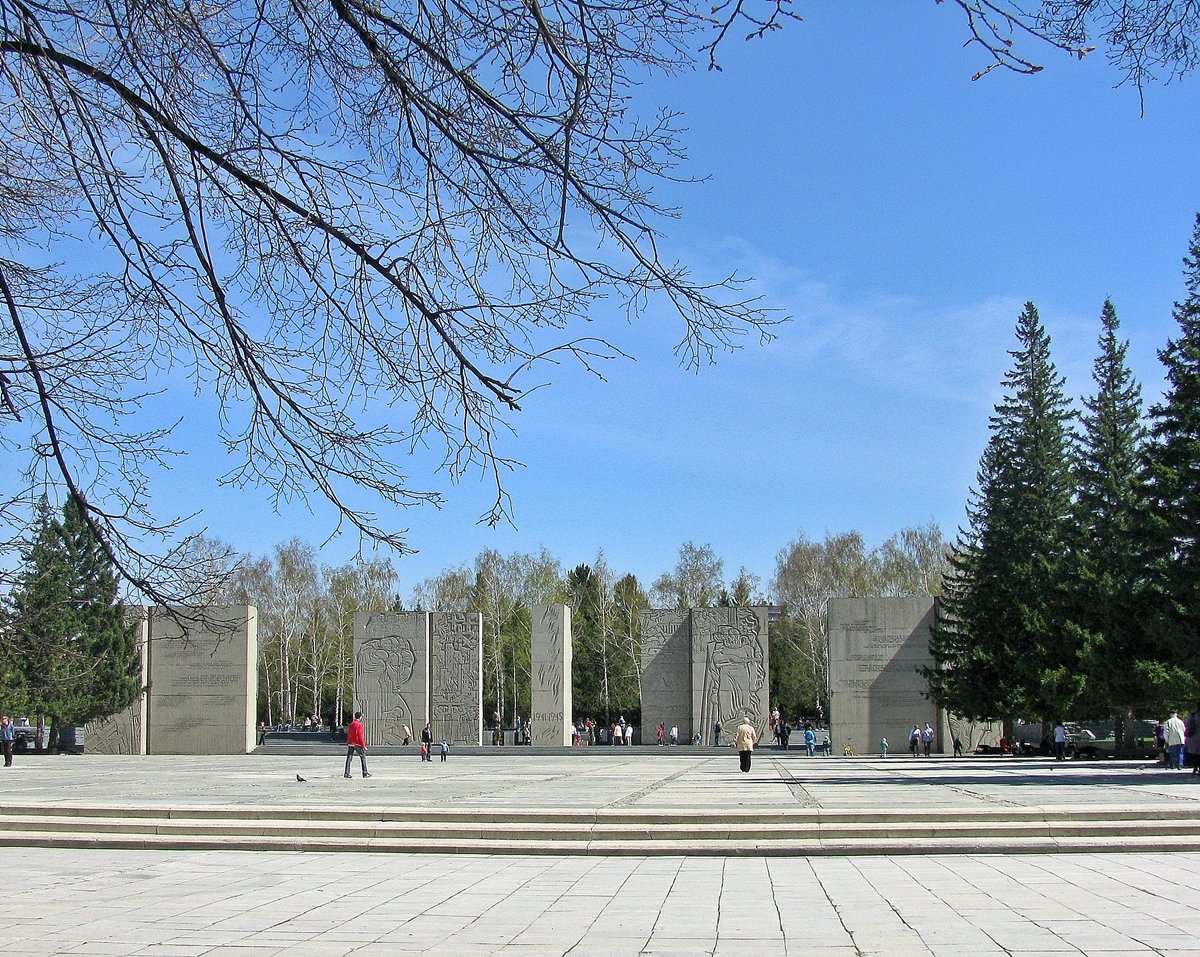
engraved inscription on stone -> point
(203, 680)
(391, 653)
(876, 648)
(666, 672)
(551, 692)
(729, 668)
(456, 676)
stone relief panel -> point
(203, 680)
(666, 672)
(125, 733)
(456, 677)
(550, 658)
(730, 669)
(391, 661)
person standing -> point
(629, 734)
(426, 743)
(7, 735)
(674, 734)
(1176, 736)
(445, 748)
(810, 740)
(716, 734)
(662, 733)
(262, 733)
(883, 747)
(356, 743)
(744, 740)
(1060, 741)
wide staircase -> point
(800, 832)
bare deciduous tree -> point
(357, 226)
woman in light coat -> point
(744, 740)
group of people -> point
(1178, 740)
(920, 739)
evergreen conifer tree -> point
(1172, 536)
(67, 625)
(1002, 647)
(1107, 558)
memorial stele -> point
(415, 667)
(550, 668)
(703, 666)
(202, 669)
(877, 647)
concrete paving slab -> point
(107, 901)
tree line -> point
(1074, 589)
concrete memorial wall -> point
(125, 733)
(666, 672)
(456, 677)
(730, 670)
(550, 662)
(203, 686)
(391, 674)
(701, 666)
(876, 648)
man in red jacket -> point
(356, 741)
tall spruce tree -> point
(1108, 559)
(1001, 646)
(66, 624)
(1172, 535)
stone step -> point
(806, 831)
(1154, 840)
(811, 817)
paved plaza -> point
(92, 901)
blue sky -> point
(901, 214)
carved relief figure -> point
(456, 676)
(382, 669)
(735, 673)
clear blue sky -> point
(901, 214)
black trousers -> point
(744, 757)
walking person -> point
(810, 740)
(883, 747)
(914, 739)
(744, 740)
(7, 736)
(958, 752)
(406, 734)
(1060, 741)
(1176, 736)
(927, 738)
(356, 743)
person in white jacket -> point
(1176, 734)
